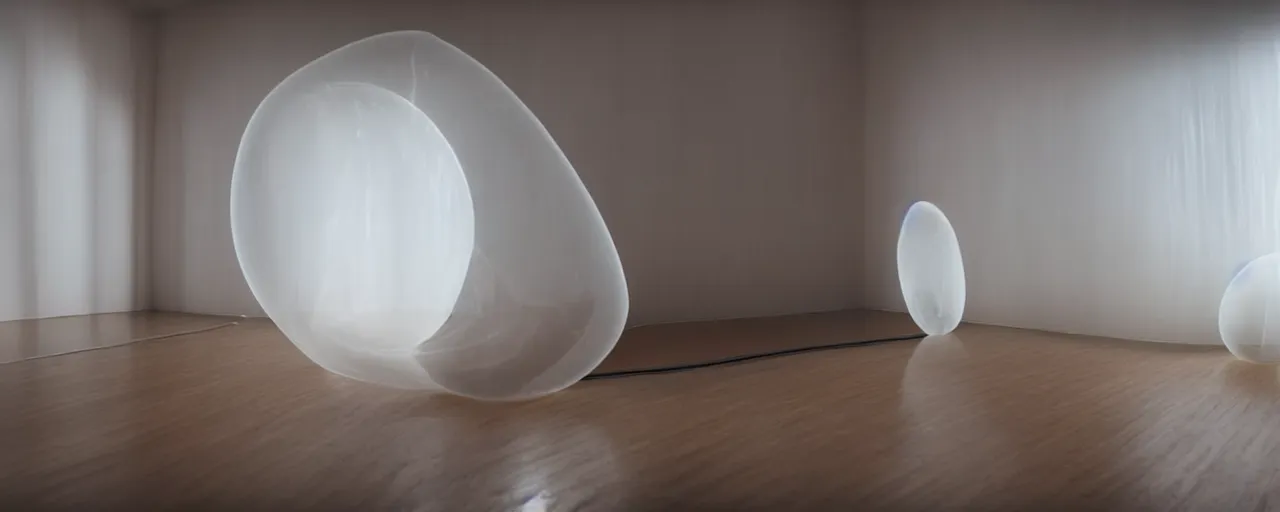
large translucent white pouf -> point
(406, 221)
(930, 269)
(1249, 315)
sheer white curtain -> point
(1107, 168)
(74, 116)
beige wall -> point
(1107, 168)
(720, 141)
(75, 116)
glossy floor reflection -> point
(985, 419)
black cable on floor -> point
(749, 357)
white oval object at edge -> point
(930, 269)
(1249, 305)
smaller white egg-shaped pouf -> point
(930, 269)
(405, 220)
(1249, 314)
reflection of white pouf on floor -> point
(930, 269)
(406, 221)
(1249, 315)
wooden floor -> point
(986, 419)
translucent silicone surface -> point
(930, 269)
(1249, 315)
(406, 221)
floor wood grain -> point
(986, 419)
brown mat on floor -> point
(31, 339)
(639, 348)
(694, 342)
